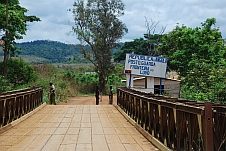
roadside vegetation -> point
(70, 81)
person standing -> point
(111, 95)
(97, 93)
(52, 93)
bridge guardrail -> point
(15, 104)
(179, 124)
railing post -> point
(208, 127)
(118, 96)
(15, 104)
(2, 110)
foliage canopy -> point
(19, 72)
(198, 55)
(13, 22)
(98, 26)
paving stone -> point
(3, 137)
(85, 125)
(5, 147)
(10, 132)
(100, 147)
(97, 128)
(54, 125)
(84, 147)
(38, 143)
(93, 115)
(55, 140)
(75, 124)
(116, 147)
(70, 139)
(84, 136)
(60, 131)
(66, 119)
(64, 125)
(48, 130)
(133, 131)
(42, 124)
(121, 131)
(99, 139)
(75, 128)
(73, 131)
(67, 147)
(95, 120)
(16, 149)
(133, 147)
(127, 139)
(51, 147)
(109, 130)
(113, 139)
(10, 141)
(24, 141)
(35, 131)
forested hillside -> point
(47, 51)
(50, 51)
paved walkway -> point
(74, 128)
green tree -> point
(198, 55)
(20, 72)
(137, 46)
(141, 46)
(97, 25)
(13, 22)
(5, 85)
(185, 46)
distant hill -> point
(49, 51)
(46, 51)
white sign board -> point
(146, 65)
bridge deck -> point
(75, 128)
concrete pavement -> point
(74, 128)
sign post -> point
(147, 66)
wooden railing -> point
(15, 104)
(181, 125)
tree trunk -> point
(6, 51)
(102, 83)
(6, 58)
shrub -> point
(19, 72)
(5, 85)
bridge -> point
(139, 121)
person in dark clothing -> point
(111, 95)
(97, 93)
(52, 93)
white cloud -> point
(57, 21)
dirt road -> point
(87, 100)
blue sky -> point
(57, 21)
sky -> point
(57, 21)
